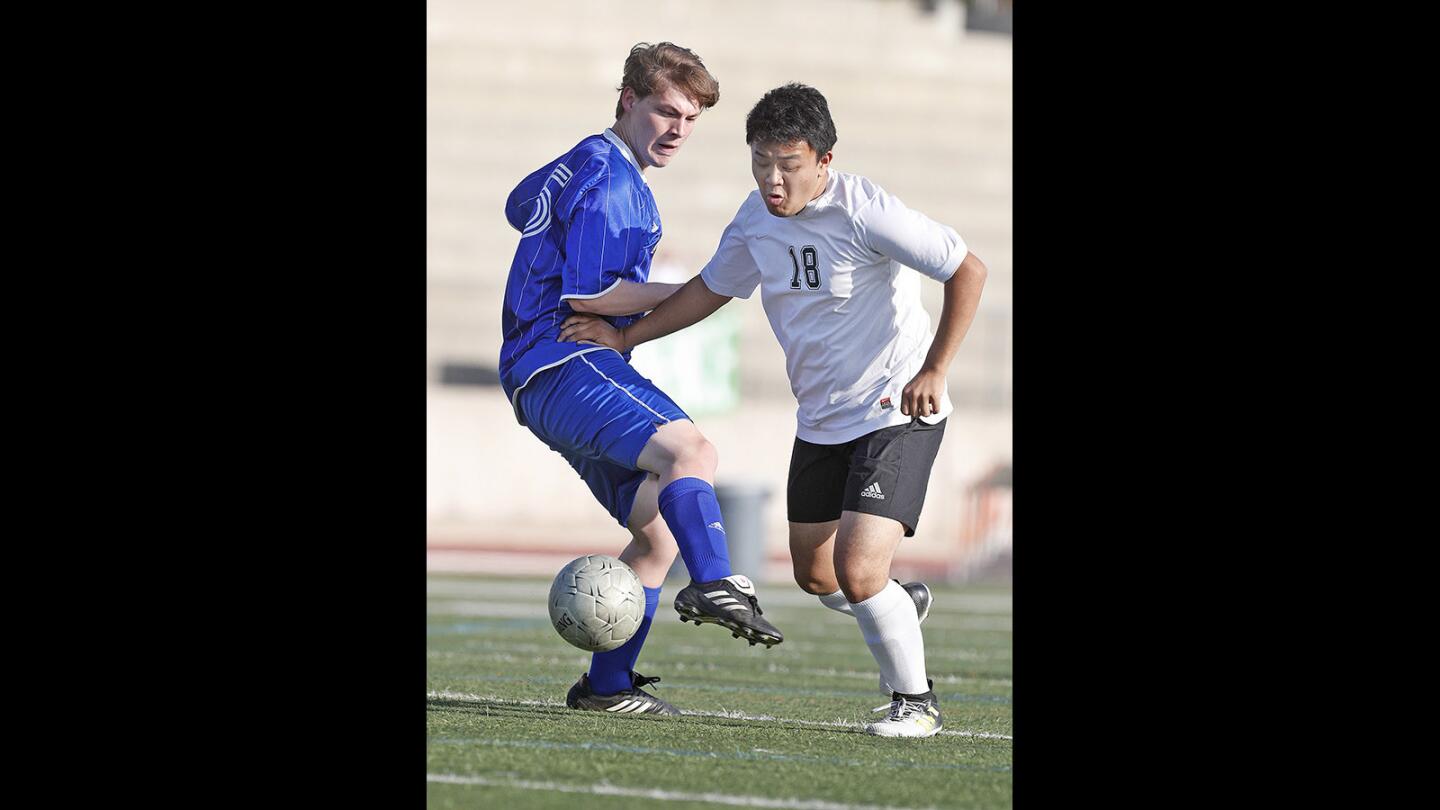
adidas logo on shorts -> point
(872, 491)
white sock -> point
(837, 602)
(892, 632)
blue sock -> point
(610, 671)
(692, 513)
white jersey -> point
(844, 307)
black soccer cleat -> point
(920, 593)
(730, 603)
(627, 701)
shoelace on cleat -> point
(901, 709)
(640, 680)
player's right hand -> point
(591, 329)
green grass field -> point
(777, 728)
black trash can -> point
(743, 507)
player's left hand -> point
(591, 329)
(922, 395)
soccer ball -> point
(597, 603)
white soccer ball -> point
(597, 603)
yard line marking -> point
(582, 660)
(606, 789)
(746, 688)
(833, 645)
(752, 755)
(539, 591)
(538, 611)
(446, 607)
(728, 715)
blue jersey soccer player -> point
(589, 227)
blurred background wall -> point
(921, 97)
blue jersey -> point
(587, 221)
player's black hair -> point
(795, 112)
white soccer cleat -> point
(909, 716)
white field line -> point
(530, 609)
(583, 661)
(754, 754)
(666, 649)
(778, 595)
(507, 610)
(763, 718)
(730, 687)
(972, 653)
(606, 789)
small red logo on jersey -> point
(885, 404)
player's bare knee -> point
(707, 455)
(663, 553)
(809, 583)
(698, 457)
(859, 585)
(655, 540)
(855, 595)
(808, 578)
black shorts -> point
(883, 473)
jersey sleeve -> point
(732, 271)
(597, 241)
(909, 237)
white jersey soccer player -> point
(829, 252)
(848, 313)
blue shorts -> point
(598, 412)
